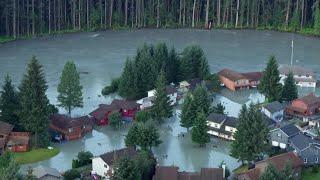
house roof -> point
(253, 76)
(296, 70)
(166, 173)
(170, 89)
(230, 74)
(268, 120)
(5, 128)
(302, 141)
(273, 107)
(188, 176)
(290, 130)
(211, 174)
(231, 121)
(65, 122)
(310, 99)
(217, 118)
(18, 140)
(194, 83)
(110, 157)
(41, 171)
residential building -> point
(69, 128)
(103, 164)
(304, 107)
(173, 173)
(279, 162)
(274, 111)
(234, 80)
(222, 126)
(307, 148)
(303, 77)
(18, 142)
(127, 109)
(46, 173)
(5, 130)
(280, 136)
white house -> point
(103, 164)
(303, 77)
(221, 126)
(274, 111)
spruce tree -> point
(317, 18)
(128, 81)
(269, 84)
(9, 104)
(69, 89)
(34, 112)
(161, 104)
(171, 66)
(271, 173)
(188, 113)
(199, 132)
(289, 91)
(201, 99)
(219, 109)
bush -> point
(115, 120)
(71, 174)
(143, 116)
(83, 158)
(112, 88)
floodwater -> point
(100, 56)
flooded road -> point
(100, 57)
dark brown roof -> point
(188, 176)
(66, 122)
(112, 156)
(166, 173)
(310, 99)
(230, 74)
(253, 76)
(211, 174)
(5, 128)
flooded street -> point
(100, 57)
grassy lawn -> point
(241, 169)
(35, 155)
(307, 174)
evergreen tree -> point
(69, 89)
(35, 107)
(9, 168)
(161, 104)
(289, 91)
(132, 136)
(71, 174)
(200, 130)
(317, 18)
(161, 55)
(9, 104)
(271, 173)
(172, 67)
(145, 164)
(201, 99)
(216, 83)
(128, 81)
(251, 137)
(295, 20)
(188, 113)
(269, 84)
(125, 169)
(115, 120)
(143, 116)
(219, 109)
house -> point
(18, 142)
(70, 128)
(127, 109)
(222, 126)
(280, 136)
(304, 107)
(5, 130)
(274, 111)
(173, 173)
(234, 80)
(46, 173)
(303, 77)
(103, 164)
(279, 162)
(307, 148)
(189, 85)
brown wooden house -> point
(305, 106)
(70, 128)
(18, 142)
(5, 130)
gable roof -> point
(211, 174)
(231, 121)
(110, 157)
(302, 141)
(290, 130)
(5, 128)
(253, 76)
(296, 70)
(216, 118)
(41, 171)
(309, 99)
(274, 106)
(230, 74)
(65, 122)
(166, 173)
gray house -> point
(307, 148)
(46, 173)
(274, 111)
(280, 136)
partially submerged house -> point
(305, 107)
(189, 85)
(103, 164)
(173, 173)
(18, 142)
(304, 77)
(279, 162)
(222, 126)
(280, 136)
(46, 173)
(5, 130)
(127, 109)
(274, 111)
(68, 128)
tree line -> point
(33, 17)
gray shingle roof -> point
(217, 118)
(290, 130)
(43, 171)
(274, 107)
(302, 141)
(231, 121)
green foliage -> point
(317, 18)
(251, 137)
(29, 175)
(215, 81)
(200, 129)
(71, 174)
(9, 104)
(188, 112)
(201, 99)
(295, 20)
(83, 158)
(289, 91)
(128, 81)
(271, 173)
(269, 84)
(145, 164)
(34, 112)
(69, 89)
(171, 66)
(125, 169)
(219, 109)
(143, 116)
(9, 169)
(161, 104)
(112, 88)
(115, 120)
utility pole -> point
(291, 53)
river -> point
(100, 56)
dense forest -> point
(32, 17)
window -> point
(305, 160)
(70, 130)
(316, 160)
(279, 134)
